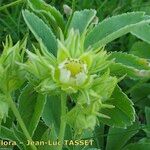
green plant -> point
(67, 84)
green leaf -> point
(123, 135)
(99, 138)
(41, 6)
(141, 49)
(81, 19)
(123, 114)
(141, 95)
(20, 138)
(38, 110)
(137, 146)
(147, 114)
(49, 135)
(142, 32)
(51, 113)
(105, 85)
(130, 60)
(92, 149)
(129, 64)
(41, 31)
(8, 134)
(41, 128)
(118, 69)
(114, 27)
(31, 105)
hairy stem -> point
(63, 121)
(19, 119)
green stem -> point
(19, 119)
(11, 4)
(63, 121)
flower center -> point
(73, 72)
(74, 66)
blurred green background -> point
(11, 21)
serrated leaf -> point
(51, 113)
(142, 32)
(114, 27)
(118, 69)
(129, 64)
(31, 105)
(41, 6)
(123, 135)
(123, 114)
(41, 31)
(81, 19)
(141, 49)
(130, 60)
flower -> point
(11, 77)
(71, 71)
(81, 73)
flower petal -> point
(80, 78)
(64, 75)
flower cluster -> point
(11, 77)
(80, 73)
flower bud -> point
(67, 10)
(10, 74)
